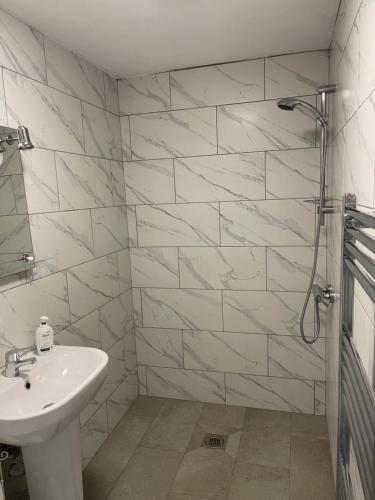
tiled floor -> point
(155, 453)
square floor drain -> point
(215, 441)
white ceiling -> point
(129, 37)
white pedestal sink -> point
(39, 411)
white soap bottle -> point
(44, 337)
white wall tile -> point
(296, 74)
(53, 118)
(366, 76)
(109, 229)
(270, 222)
(125, 278)
(155, 267)
(52, 232)
(125, 138)
(320, 398)
(132, 225)
(225, 352)
(221, 84)
(137, 307)
(293, 173)
(261, 126)
(144, 94)
(21, 48)
(265, 312)
(84, 332)
(149, 181)
(289, 268)
(73, 75)
(121, 399)
(84, 182)
(111, 94)
(3, 111)
(190, 309)
(92, 284)
(21, 308)
(102, 133)
(170, 134)
(39, 173)
(195, 224)
(291, 357)
(364, 338)
(142, 381)
(118, 183)
(221, 268)
(270, 393)
(186, 384)
(116, 319)
(159, 347)
(220, 178)
(93, 435)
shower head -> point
(291, 103)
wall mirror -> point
(16, 251)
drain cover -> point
(48, 405)
(216, 441)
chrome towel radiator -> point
(356, 435)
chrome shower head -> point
(291, 103)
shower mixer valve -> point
(324, 295)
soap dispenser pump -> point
(44, 337)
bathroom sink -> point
(50, 394)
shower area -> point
(190, 223)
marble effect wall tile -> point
(142, 381)
(155, 267)
(92, 284)
(170, 134)
(320, 398)
(118, 183)
(296, 74)
(125, 278)
(270, 222)
(225, 352)
(137, 307)
(190, 309)
(149, 181)
(84, 182)
(220, 84)
(109, 229)
(265, 312)
(132, 225)
(159, 347)
(223, 268)
(102, 133)
(68, 230)
(3, 111)
(93, 434)
(144, 94)
(289, 268)
(186, 384)
(270, 393)
(21, 48)
(84, 332)
(21, 308)
(71, 74)
(111, 94)
(53, 117)
(195, 224)
(121, 399)
(261, 126)
(291, 357)
(220, 178)
(293, 174)
(125, 138)
(116, 319)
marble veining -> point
(159, 347)
(109, 229)
(144, 94)
(220, 178)
(155, 267)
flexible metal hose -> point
(323, 160)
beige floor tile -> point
(266, 420)
(145, 406)
(268, 448)
(148, 476)
(174, 425)
(178, 496)
(311, 475)
(204, 473)
(309, 426)
(112, 458)
(230, 416)
(256, 482)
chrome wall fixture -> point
(356, 437)
(21, 136)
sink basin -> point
(48, 395)
(40, 410)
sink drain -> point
(216, 441)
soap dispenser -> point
(44, 337)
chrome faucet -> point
(13, 361)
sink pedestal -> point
(53, 468)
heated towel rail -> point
(356, 436)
